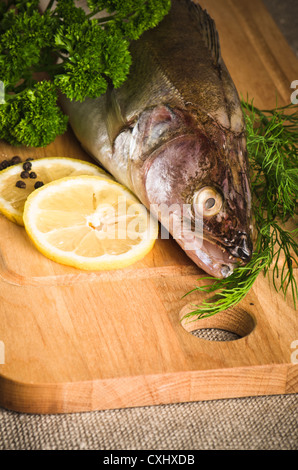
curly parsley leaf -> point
(24, 120)
(79, 52)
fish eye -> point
(210, 203)
(207, 201)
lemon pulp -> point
(89, 222)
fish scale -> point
(174, 134)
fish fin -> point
(207, 27)
(114, 119)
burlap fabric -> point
(260, 423)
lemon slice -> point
(12, 198)
(90, 223)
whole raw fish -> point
(174, 133)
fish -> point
(174, 134)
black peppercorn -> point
(29, 159)
(24, 174)
(20, 184)
(38, 184)
(27, 166)
(16, 159)
(32, 175)
(4, 164)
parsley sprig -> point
(91, 51)
(272, 137)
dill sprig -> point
(272, 138)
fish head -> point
(195, 179)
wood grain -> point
(77, 341)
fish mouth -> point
(212, 256)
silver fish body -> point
(174, 134)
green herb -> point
(91, 53)
(272, 137)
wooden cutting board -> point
(76, 341)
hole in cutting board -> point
(215, 334)
(230, 325)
